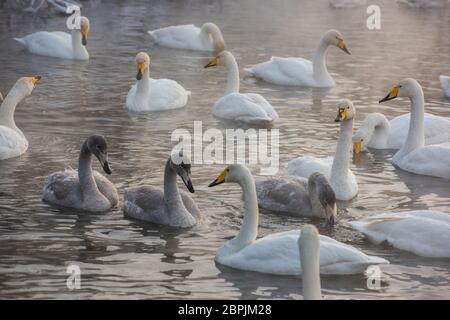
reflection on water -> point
(128, 259)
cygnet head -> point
(26, 84)
(232, 173)
(346, 111)
(98, 147)
(181, 164)
(214, 32)
(84, 29)
(406, 88)
(142, 62)
(335, 38)
(319, 188)
(222, 59)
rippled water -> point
(120, 258)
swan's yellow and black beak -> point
(84, 33)
(212, 62)
(342, 115)
(140, 67)
(391, 95)
(341, 45)
(220, 179)
(35, 79)
(357, 146)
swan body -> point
(445, 84)
(59, 44)
(298, 71)
(83, 189)
(207, 38)
(336, 169)
(13, 142)
(278, 253)
(165, 207)
(249, 108)
(312, 197)
(414, 156)
(425, 233)
(154, 94)
(309, 251)
(377, 132)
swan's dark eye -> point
(348, 107)
(228, 170)
(400, 86)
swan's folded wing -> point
(145, 203)
(180, 37)
(166, 94)
(48, 43)
(431, 160)
(263, 103)
(190, 205)
(307, 165)
(62, 187)
(239, 107)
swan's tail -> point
(153, 35)
(249, 72)
(21, 40)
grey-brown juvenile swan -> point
(84, 189)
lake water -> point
(120, 258)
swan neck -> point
(8, 107)
(310, 262)
(339, 169)
(172, 196)
(87, 181)
(416, 136)
(79, 50)
(232, 77)
(143, 85)
(319, 64)
(249, 229)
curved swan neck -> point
(8, 107)
(310, 262)
(87, 181)
(143, 85)
(339, 169)
(376, 129)
(232, 76)
(172, 196)
(416, 136)
(319, 65)
(249, 229)
(79, 51)
(211, 33)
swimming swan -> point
(297, 196)
(169, 206)
(278, 253)
(309, 251)
(249, 108)
(84, 189)
(423, 232)
(414, 156)
(13, 142)
(59, 44)
(154, 94)
(377, 132)
(336, 169)
(207, 38)
(445, 84)
(299, 71)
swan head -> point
(181, 165)
(26, 84)
(335, 38)
(99, 148)
(320, 188)
(222, 59)
(84, 29)
(406, 88)
(142, 63)
(232, 173)
(212, 30)
(346, 111)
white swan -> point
(425, 233)
(250, 108)
(445, 84)
(335, 169)
(59, 44)
(278, 253)
(166, 207)
(377, 132)
(299, 71)
(414, 156)
(84, 189)
(207, 38)
(13, 142)
(309, 251)
(297, 196)
(154, 94)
